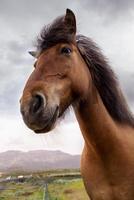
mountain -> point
(37, 160)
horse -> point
(70, 70)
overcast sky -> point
(109, 23)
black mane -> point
(105, 81)
(102, 74)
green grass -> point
(21, 191)
(67, 190)
(62, 185)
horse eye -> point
(66, 50)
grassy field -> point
(67, 190)
(50, 185)
(21, 191)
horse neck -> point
(98, 128)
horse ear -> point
(33, 53)
(70, 21)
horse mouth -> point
(50, 124)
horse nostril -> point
(37, 102)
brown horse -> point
(70, 70)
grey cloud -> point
(17, 52)
(16, 46)
(13, 57)
(114, 7)
(15, 65)
(127, 82)
(31, 11)
(26, 18)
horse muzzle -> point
(37, 114)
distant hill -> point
(37, 160)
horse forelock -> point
(53, 34)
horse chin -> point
(46, 129)
(50, 125)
